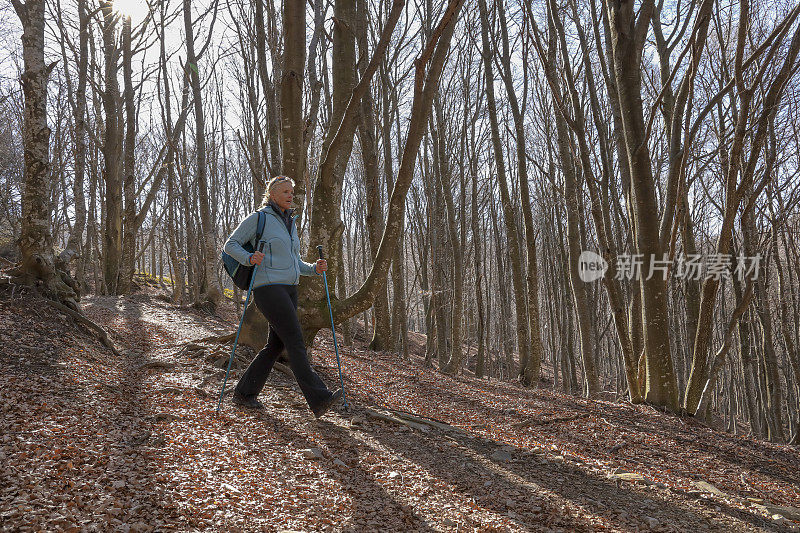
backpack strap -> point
(262, 221)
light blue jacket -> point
(282, 264)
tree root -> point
(280, 367)
(216, 339)
(98, 330)
(46, 277)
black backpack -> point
(239, 273)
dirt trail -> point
(91, 441)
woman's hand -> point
(321, 266)
(256, 258)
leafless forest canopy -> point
(454, 159)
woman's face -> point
(282, 194)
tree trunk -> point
(129, 229)
(532, 370)
(369, 154)
(456, 355)
(210, 291)
(37, 261)
(628, 33)
(571, 198)
(518, 280)
(112, 155)
(773, 394)
(326, 224)
(399, 311)
(75, 247)
(476, 241)
(291, 97)
(439, 276)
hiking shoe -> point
(250, 403)
(322, 408)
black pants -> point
(279, 304)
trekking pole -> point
(333, 329)
(239, 329)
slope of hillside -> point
(91, 440)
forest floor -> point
(93, 441)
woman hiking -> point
(275, 295)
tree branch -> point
(420, 110)
(347, 123)
(21, 10)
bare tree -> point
(520, 293)
(210, 289)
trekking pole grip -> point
(319, 251)
(260, 249)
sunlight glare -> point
(136, 9)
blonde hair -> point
(271, 185)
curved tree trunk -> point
(326, 224)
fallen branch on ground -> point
(424, 420)
(389, 418)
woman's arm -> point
(242, 234)
(307, 269)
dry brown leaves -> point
(90, 442)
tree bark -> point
(37, 260)
(294, 63)
(129, 229)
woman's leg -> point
(253, 379)
(279, 305)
